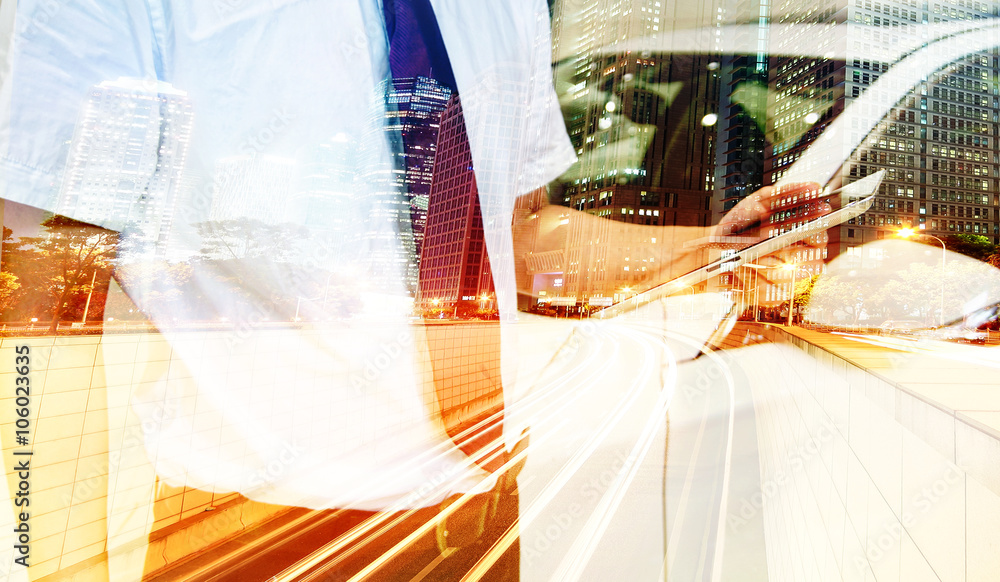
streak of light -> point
(411, 539)
(720, 534)
(371, 524)
(576, 559)
(566, 472)
(433, 564)
(674, 540)
(726, 475)
(943, 350)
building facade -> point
(454, 264)
(937, 144)
(643, 122)
(127, 159)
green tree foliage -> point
(56, 269)
(161, 286)
(976, 246)
(8, 288)
(915, 292)
(803, 290)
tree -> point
(8, 288)
(246, 238)
(158, 286)
(8, 281)
(976, 246)
(66, 260)
(833, 294)
(804, 289)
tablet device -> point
(864, 189)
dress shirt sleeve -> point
(57, 53)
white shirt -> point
(269, 85)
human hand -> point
(772, 211)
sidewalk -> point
(947, 394)
(960, 379)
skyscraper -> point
(642, 122)
(643, 125)
(743, 106)
(937, 144)
(127, 158)
(398, 181)
(454, 264)
(413, 120)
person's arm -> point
(670, 250)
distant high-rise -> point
(643, 126)
(938, 143)
(127, 158)
(254, 187)
(414, 118)
(397, 167)
(743, 106)
(642, 122)
(454, 265)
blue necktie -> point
(416, 48)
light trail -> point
(548, 493)
(548, 410)
(424, 529)
(318, 557)
(573, 563)
(942, 350)
(726, 469)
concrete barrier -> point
(866, 474)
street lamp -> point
(791, 301)
(86, 309)
(907, 233)
(756, 288)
